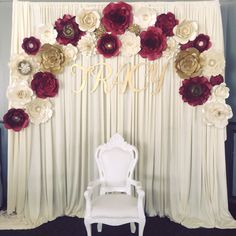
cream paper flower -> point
(70, 52)
(130, 44)
(220, 92)
(39, 110)
(185, 31)
(217, 114)
(213, 63)
(19, 94)
(47, 34)
(87, 45)
(88, 20)
(172, 48)
(145, 17)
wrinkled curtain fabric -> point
(181, 160)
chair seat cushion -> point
(115, 206)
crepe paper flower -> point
(47, 34)
(68, 30)
(216, 80)
(144, 17)
(109, 45)
(88, 20)
(117, 17)
(188, 63)
(134, 28)
(39, 110)
(19, 94)
(16, 119)
(45, 85)
(167, 22)
(31, 45)
(195, 91)
(213, 63)
(201, 43)
(70, 53)
(87, 45)
(130, 44)
(23, 66)
(216, 114)
(172, 48)
(153, 43)
(185, 31)
(52, 58)
(220, 92)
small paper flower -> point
(172, 48)
(88, 20)
(130, 44)
(87, 45)
(31, 45)
(70, 53)
(220, 92)
(39, 110)
(216, 80)
(145, 17)
(134, 28)
(47, 34)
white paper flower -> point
(144, 17)
(19, 94)
(130, 44)
(185, 31)
(39, 110)
(88, 20)
(217, 114)
(70, 52)
(213, 63)
(87, 45)
(47, 34)
(220, 92)
(172, 48)
(23, 66)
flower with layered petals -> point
(153, 43)
(130, 44)
(45, 84)
(47, 34)
(185, 31)
(220, 92)
(216, 80)
(70, 53)
(167, 22)
(87, 45)
(195, 91)
(88, 20)
(39, 110)
(68, 30)
(144, 17)
(31, 45)
(16, 119)
(109, 45)
(172, 48)
(117, 17)
(216, 114)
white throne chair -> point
(115, 198)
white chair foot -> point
(99, 227)
(88, 228)
(141, 228)
(132, 227)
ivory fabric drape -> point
(181, 160)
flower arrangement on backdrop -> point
(119, 30)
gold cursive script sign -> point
(104, 75)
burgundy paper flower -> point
(108, 45)
(31, 45)
(16, 119)
(117, 17)
(45, 84)
(216, 80)
(153, 43)
(201, 43)
(167, 22)
(68, 30)
(195, 91)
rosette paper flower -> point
(144, 17)
(220, 92)
(31, 45)
(87, 45)
(216, 80)
(88, 20)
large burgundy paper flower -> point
(167, 22)
(31, 45)
(45, 84)
(117, 17)
(216, 80)
(153, 43)
(108, 45)
(68, 30)
(16, 119)
(195, 91)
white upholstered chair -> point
(111, 199)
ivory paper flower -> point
(145, 17)
(185, 31)
(87, 45)
(70, 53)
(19, 94)
(88, 20)
(220, 92)
(47, 34)
(39, 110)
(217, 114)
(213, 63)
(130, 44)
(172, 48)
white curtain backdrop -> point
(181, 160)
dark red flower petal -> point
(31, 45)
(216, 80)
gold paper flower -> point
(52, 58)
(134, 28)
(188, 63)
(100, 31)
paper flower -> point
(31, 45)
(216, 80)
(172, 48)
(88, 20)
(70, 53)
(144, 17)
(87, 45)
(39, 110)
(220, 92)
